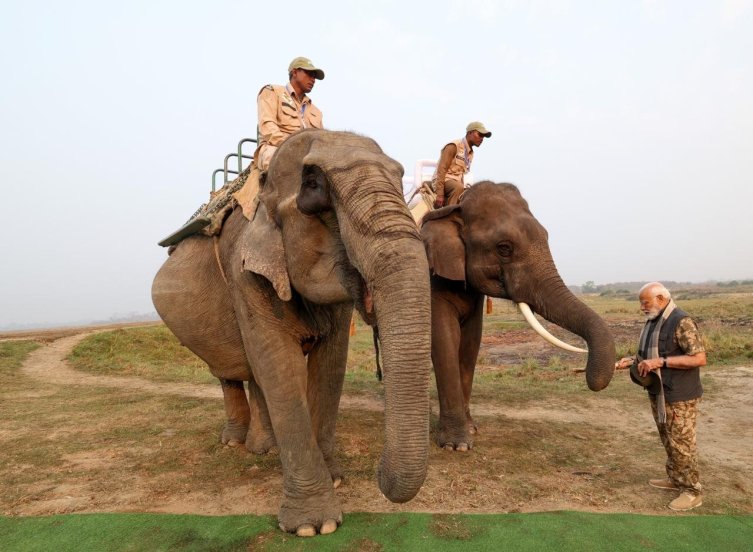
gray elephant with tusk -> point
(491, 244)
(269, 302)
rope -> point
(215, 242)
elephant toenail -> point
(329, 526)
(306, 530)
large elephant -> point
(270, 301)
(491, 244)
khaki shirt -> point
(281, 113)
(452, 166)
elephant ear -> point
(445, 250)
(263, 252)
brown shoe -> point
(665, 484)
(685, 501)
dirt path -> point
(48, 364)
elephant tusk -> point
(536, 325)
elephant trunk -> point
(402, 308)
(383, 243)
(557, 304)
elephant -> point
(269, 301)
(490, 244)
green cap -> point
(476, 125)
(650, 381)
(305, 63)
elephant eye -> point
(310, 182)
(505, 249)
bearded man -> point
(670, 354)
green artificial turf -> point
(541, 532)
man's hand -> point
(623, 363)
(649, 365)
(439, 202)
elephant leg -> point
(326, 372)
(279, 367)
(260, 438)
(309, 503)
(470, 342)
(237, 411)
(445, 345)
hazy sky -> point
(628, 126)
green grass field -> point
(540, 532)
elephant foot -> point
(459, 441)
(307, 517)
(335, 472)
(234, 433)
(308, 530)
(470, 422)
(260, 444)
(459, 447)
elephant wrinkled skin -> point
(332, 230)
(491, 244)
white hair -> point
(657, 288)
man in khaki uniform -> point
(285, 109)
(454, 161)
(670, 354)
(282, 111)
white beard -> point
(652, 314)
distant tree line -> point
(735, 283)
(631, 288)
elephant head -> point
(493, 243)
(332, 227)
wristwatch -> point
(664, 362)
